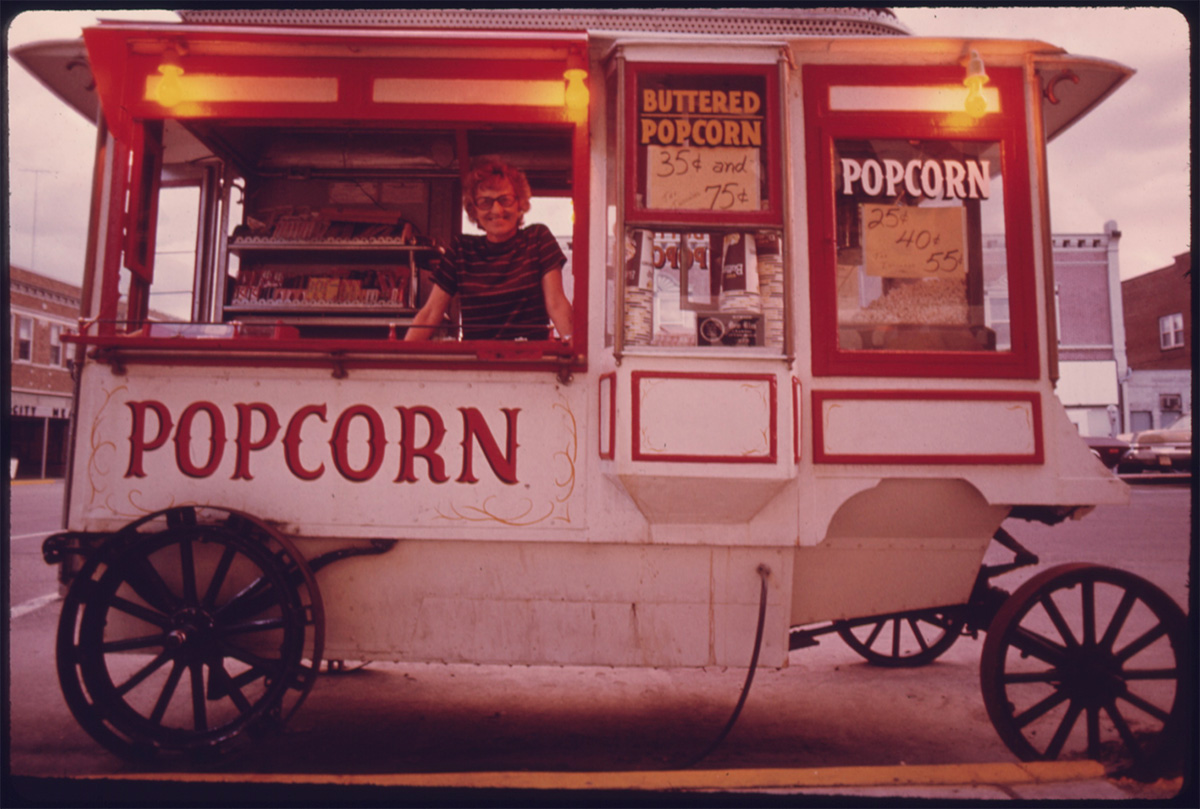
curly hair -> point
(491, 169)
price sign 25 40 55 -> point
(910, 242)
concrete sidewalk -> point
(1075, 781)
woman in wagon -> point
(508, 281)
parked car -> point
(1166, 449)
(1109, 450)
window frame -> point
(370, 91)
(19, 342)
(642, 217)
(1170, 331)
(624, 173)
(57, 346)
(825, 126)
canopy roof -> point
(1072, 85)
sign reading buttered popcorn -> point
(701, 139)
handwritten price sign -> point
(910, 242)
(715, 179)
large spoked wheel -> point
(1084, 660)
(190, 627)
(903, 641)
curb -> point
(935, 775)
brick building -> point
(1158, 309)
(1091, 334)
(41, 309)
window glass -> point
(706, 288)
(24, 333)
(175, 252)
(1170, 330)
(998, 320)
(56, 346)
(1140, 420)
(910, 269)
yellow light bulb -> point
(170, 86)
(976, 104)
(576, 94)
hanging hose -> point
(764, 572)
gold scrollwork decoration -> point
(558, 510)
(95, 467)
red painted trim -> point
(609, 452)
(114, 218)
(580, 254)
(773, 216)
(120, 68)
(141, 218)
(287, 344)
(1009, 129)
(332, 363)
(636, 454)
(819, 397)
(259, 352)
(797, 392)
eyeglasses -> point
(486, 203)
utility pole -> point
(37, 176)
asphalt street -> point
(826, 725)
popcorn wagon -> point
(811, 372)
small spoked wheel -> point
(1088, 661)
(906, 640)
(187, 629)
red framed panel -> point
(636, 453)
(635, 168)
(607, 391)
(1008, 128)
(820, 456)
(797, 391)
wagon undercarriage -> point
(194, 629)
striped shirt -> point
(499, 286)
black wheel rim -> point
(185, 632)
(1087, 661)
(903, 640)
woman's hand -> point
(557, 305)
(430, 315)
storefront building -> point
(41, 310)
(1158, 323)
(1091, 330)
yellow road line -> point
(919, 775)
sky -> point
(1128, 161)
